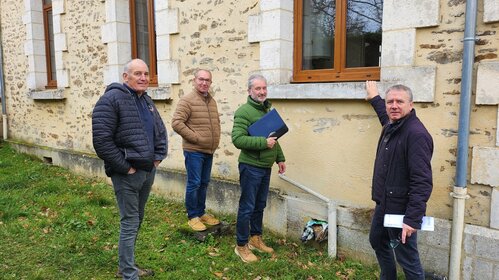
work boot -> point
(245, 254)
(196, 224)
(143, 272)
(256, 242)
(209, 220)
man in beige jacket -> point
(196, 119)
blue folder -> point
(270, 125)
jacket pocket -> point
(397, 198)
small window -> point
(143, 35)
(48, 26)
(337, 40)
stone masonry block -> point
(118, 53)
(277, 76)
(410, 14)
(59, 62)
(433, 259)
(490, 12)
(483, 269)
(34, 47)
(57, 28)
(62, 78)
(487, 83)
(352, 90)
(160, 5)
(163, 47)
(255, 28)
(356, 244)
(467, 269)
(398, 48)
(486, 242)
(484, 166)
(168, 72)
(494, 209)
(168, 22)
(440, 238)
(271, 25)
(117, 11)
(38, 64)
(34, 31)
(58, 7)
(267, 5)
(497, 130)
(30, 5)
(60, 42)
(412, 77)
(115, 32)
(276, 54)
(112, 73)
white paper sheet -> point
(396, 221)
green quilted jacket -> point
(254, 150)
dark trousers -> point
(198, 167)
(132, 192)
(254, 183)
(407, 254)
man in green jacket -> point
(257, 156)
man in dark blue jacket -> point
(129, 135)
(402, 180)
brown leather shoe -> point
(256, 242)
(209, 219)
(196, 224)
(245, 254)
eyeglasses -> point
(201, 80)
(394, 242)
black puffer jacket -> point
(119, 137)
(402, 179)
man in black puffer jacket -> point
(131, 138)
(402, 181)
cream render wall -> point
(331, 143)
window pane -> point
(363, 32)
(142, 30)
(50, 27)
(318, 34)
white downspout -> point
(331, 215)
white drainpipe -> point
(331, 215)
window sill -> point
(52, 94)
(349, 90)
(160, 93)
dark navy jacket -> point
(402, 179)
(119, 136)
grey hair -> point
(254, 77)
(196, 72)
(402, 88)
(127, 65)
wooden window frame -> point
(51, 81)
(153, 72)
(339, 73)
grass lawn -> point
(57, 225)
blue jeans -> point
(198, 166)
(132, 192)
(407, 254)
(254, 183)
